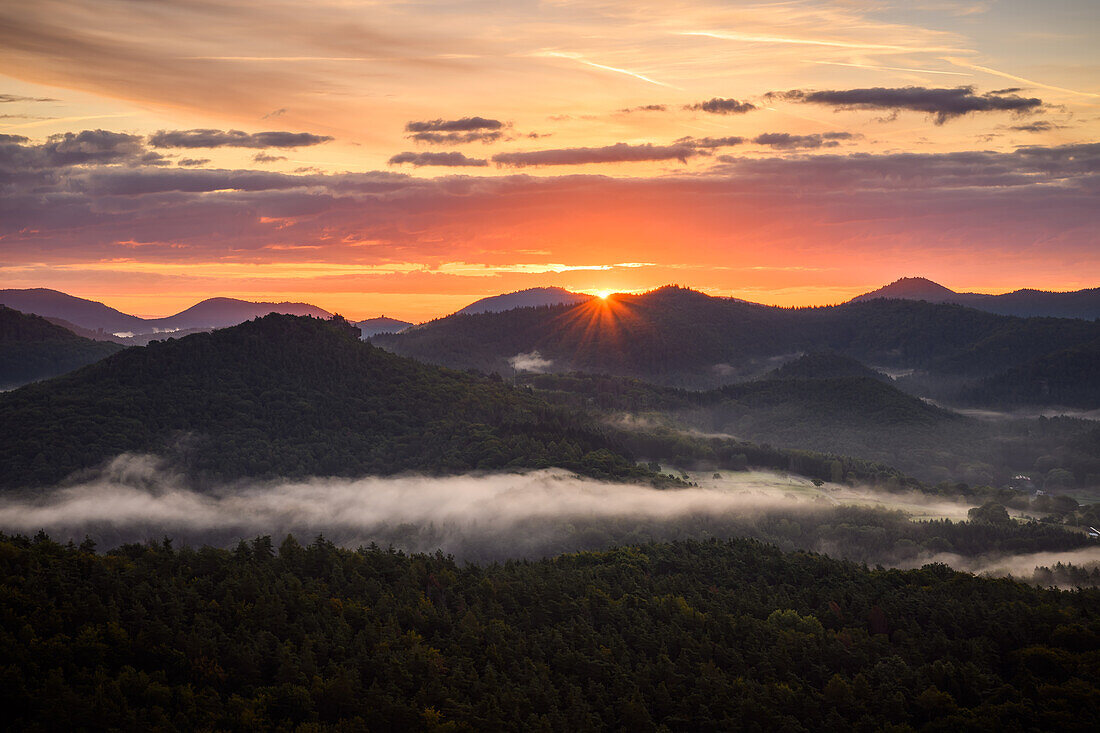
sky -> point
(406, 158)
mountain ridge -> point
(529, 298)
(1026, 302)
(288, 396)
(96, 317)
(32, 348)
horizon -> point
(784, 153)
(598, 293)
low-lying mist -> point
(492, 517)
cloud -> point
(265, 158)
(712, 142)
(1038, 126)
(942, 104)
(786, 141)
(274, 113)
(9, 98)
(644, 108)
(719, 106)
(233, 139)
(452, 159)
(617, 153)
(456, 138)
(192, 162)
(90, 147)
(465, 124)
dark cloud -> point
(466, 124)
(711, 142)
(90, 147)
(6, 98)
(153, 158)
(1038, 126)
(719, 106)
(192, 162)
(265, 158)
(456, 138)
(644, 108)
(274, 113)
(786, 141)
(233, 139)
(443, 159)
(617, 153)
(942, 104)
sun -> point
(603, 294)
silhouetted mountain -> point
(911, 288)
(223, 312)
(530, 298)
(102, 320)
(287, 396)
(685, 338)
(374, 326)
(825, 365)
(1025, 303)
(31, 348)
(78, 311)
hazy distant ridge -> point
(530, 298)
(103, 320)
(1024, 303)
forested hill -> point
(714, 636)
(32, 348)
(685, 338)
(288, 396)
(1028, 302)
(825, 365)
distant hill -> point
(288, 396)
(530, 298)
(1025, 303)
(32, 348)
(104, 321)
(223, 312)
(374, 326)
(843, 416)
(680, 337)
(84, 313)
(825, 365)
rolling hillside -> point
(31, 348)
(288, 396)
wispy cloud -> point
(582, 60)
(891, 68)
(1030, 82)
(765, 38)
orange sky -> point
(405, 159)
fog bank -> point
(483, 517)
